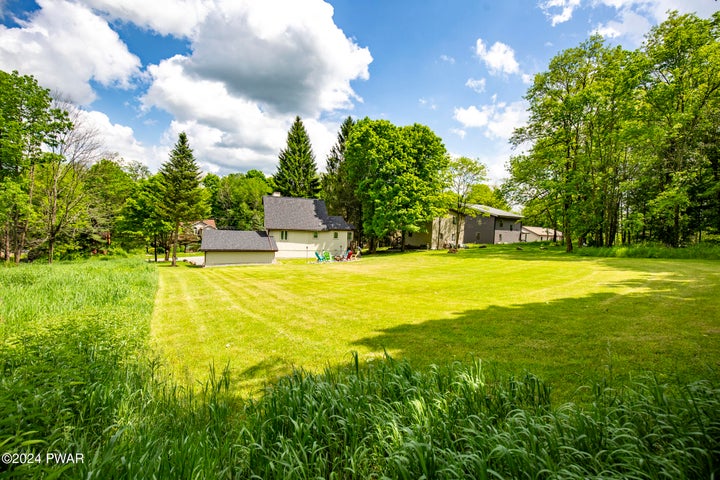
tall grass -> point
(702, 251)
(81, 379)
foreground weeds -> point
(80, 380)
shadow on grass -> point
(666, 320)
(573, 342)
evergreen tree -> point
(297, 175)
(183, 198)
(337, 189)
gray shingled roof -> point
(237, 240)
(290, 213)
(495, 212)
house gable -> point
(301, 226)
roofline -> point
(235, 250)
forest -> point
(621, 147)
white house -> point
(540, 234)
(302, 226)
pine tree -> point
(337, 189)
(297, 175)
(183, 198)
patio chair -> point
(319, 257)
(326, 256)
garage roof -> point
(237, 241)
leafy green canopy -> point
(623, 146)
(398, 174)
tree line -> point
(63, 196)
(624, 145)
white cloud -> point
(447, 59)
(254, 66)
(629, 25)
(478, 85)
(559, 11)
(167, 17)
(496, 120)
(500, 58)
(118, 139)
(65, 46)
(472, 117)
(287, 56)
(657, 10)
(636, 17)
(427, 103)
(459, 132)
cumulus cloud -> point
(65, 46)
(496, 120)
(289, 57)
(499, 58)
(559, 11)
(253, 67)
(178, 18)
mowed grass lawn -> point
(570, 320)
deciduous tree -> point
(399, 176)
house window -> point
(284, 235)
(315, 234)
(349, 236)
(409, 234)
(335, 235)
(511, 227)
(500, 223)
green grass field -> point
(83, 344)
(571, 321)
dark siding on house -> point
(480, 229)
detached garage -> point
(236, 247)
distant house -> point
(302, 226)
(200, 225)
(492, 225)
(438, 234)
(540, 234)
(235, 247)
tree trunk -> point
(175, 236)
(23, 226)
(457, 229)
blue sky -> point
(233, 74)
